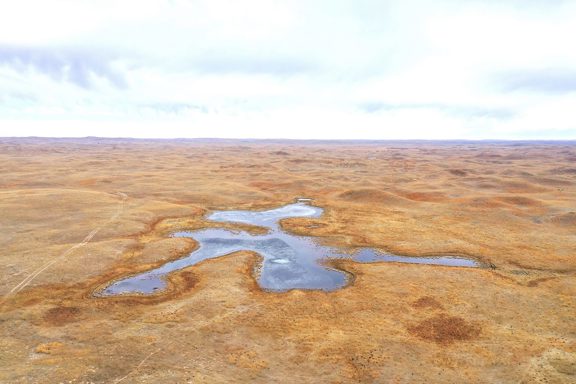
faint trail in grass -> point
(216, 319)
(28, 279)
(137, 367)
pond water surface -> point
(289, 261)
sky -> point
(298, 69)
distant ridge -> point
(95, 139)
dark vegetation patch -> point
(565, 220)
(184, 280)
(432, 197)
(280, 153)
(427, 302)
(551, 181)
(488, 155)
(484, 203)
(444, 329)
(516, 157)
(520, 201)
(352, 164)
(370, 195)
(564, 170)
(486, 186)
(61, 315)
(458, 172)
(535, 282)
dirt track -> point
(78, 213)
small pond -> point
(289, 261)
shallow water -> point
(289, 261)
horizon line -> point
(283, 139)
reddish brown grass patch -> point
(61, 315)
(444, 329)
(427, 302)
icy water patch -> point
(289, 261)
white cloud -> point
(297, 69)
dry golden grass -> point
(77, 213)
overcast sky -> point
(357, 69)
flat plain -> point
(76, 214)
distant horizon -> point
(293, 140)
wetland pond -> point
(289, 261)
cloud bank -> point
(309, 69)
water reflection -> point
(289, 261)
